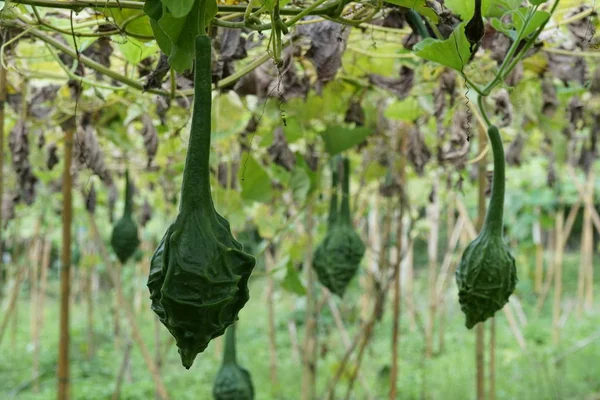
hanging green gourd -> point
(124, 239)
(338, 257)
(199, 273)
(487, 275)
(232, 382)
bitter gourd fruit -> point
(124, 239)
(487, 274)
(199, 273)
(338, 257)
(232, 382)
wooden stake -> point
(44, 283)
(124, 367)
(339, 323)
(397, 272)
(433, 216)
(126, 308)
(65, 271)
(89, 299)
(2, 117)
(557, 277)
(409, 290)
(309, 369)
(36, 260)
(269, 264)
(492, 375)
(539, 253)
(21, 273)
(589, 249)
(558, 248)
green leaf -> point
(465, 9)
(153, 9)
(505, 28)
(452, 52)
(537, 2)
(292, 282)
(255, 182)
(518, 18)
(136, 25)
(179, 8)
(313, 176)
(419, 6)
(408, 110)
(300, 184)
(498, 8)
(135, 51)
(339, 138)
(176, 33)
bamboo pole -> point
(373, 250)
(65, 271)
(20, 275)
(582, 193)
(539, 253)
(15, 319)
(409, 290)
(339, 323)
(384, 266)
(583, 262)
(35, 310)
(589, 249)
(492, 375)
(557, 277)
(44, 282)
(433, 216)
(558, 248)
(157, 351)
(450, 222)
(2, 117)
(269, 264)
(397, 272)
(126, 308)
(124, 367)
(89, 300)
(309, 346)
(293, 331)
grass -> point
(449, 375)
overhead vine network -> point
(180, 30)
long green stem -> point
(229, 355)
(195, 189)
(128, 195)
(495, 213)
(345, 206)
(333, 205)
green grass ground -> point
(530, 374)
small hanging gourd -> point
(232, 382)
(124, 239)
(199, 273)
(338, 257)
(487, 275)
